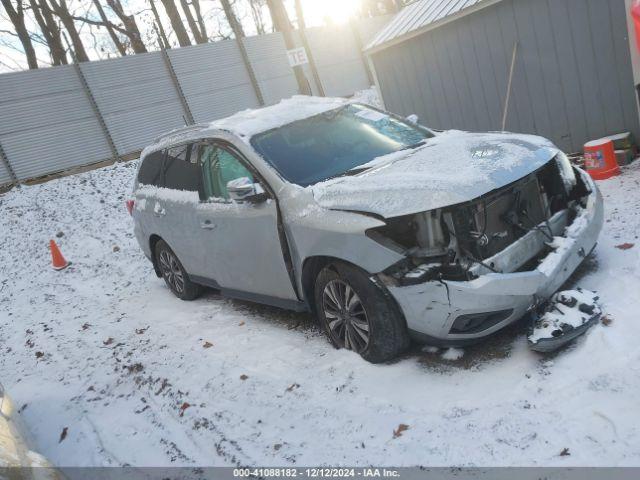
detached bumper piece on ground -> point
(568, 315)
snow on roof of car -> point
(253, 121)
(421, 16)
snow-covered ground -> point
(134, 376)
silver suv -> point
(383, 228)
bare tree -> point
(201, 23)
(195, 28)
(234, 23)
(131, 29)
(16, 15)
(50, 31)
(122, 48)
(256, 14)
(281, 23)
(176, 22)
(162, 36)
(61, 10)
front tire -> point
(174, 273)
(359, 315)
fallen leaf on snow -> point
(625, 246)
(207, 345)
(183, 407)
(63, 435)
(243, 377)
(108, 341)
(135, 368)
(565, 452)
(401, 428)
(241, 324)
(607, 320)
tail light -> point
(130, 205)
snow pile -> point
(138, 377)
(567, 311)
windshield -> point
(335, 143)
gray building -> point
(450, 61)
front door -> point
(242, 247)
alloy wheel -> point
(346, 316)
(171, 271)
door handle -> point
(158, 211)
(207, 225)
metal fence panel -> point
(47, 124)
(338, 59)
(267, 54)
(214, 79)
(136, 98)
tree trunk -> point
(62, 11)
(235, 25)
(176, 23)
(50, 31)
(112, 33)
(162, 36)
(203, 27)
(192, 22)
(282, 24)
(256, 13)
(130, 26)
(17, 18)
(302, 29)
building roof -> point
(421, 16)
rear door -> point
(242, 246)
(176, 205)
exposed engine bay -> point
(446, 244)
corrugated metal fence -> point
(48, 123)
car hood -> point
(453, 167)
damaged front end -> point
(473, 268)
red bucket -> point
(600, 159)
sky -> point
(317, 12)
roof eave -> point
(431, 26)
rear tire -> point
(359, 315)
(174, 273)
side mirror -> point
(413, 118)
(244, 190)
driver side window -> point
(220, 167)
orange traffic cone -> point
(57, 260)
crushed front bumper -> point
(432, 308)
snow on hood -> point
(453, 167)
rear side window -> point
(151, 169)
(181, 169)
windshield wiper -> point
(415, 145)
